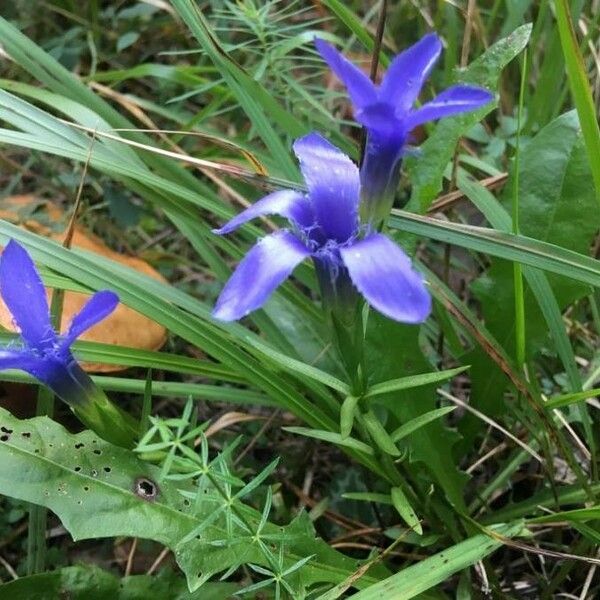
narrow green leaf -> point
(420, 421)
(355, 25)
(347, 415)
(568, 399)
(331, 437)
(253, 98)
(426, 574)
(519, 248)
(297, 366)
(405, 510)
(380, 436)
(412, 381)
(163, 388)
(590, 513)
(368, 497)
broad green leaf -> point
(426, 172)
(88, 582)
(556, 205)
(405, 510)
(393, 351)
(416, 579)
(580, 89)
(80, 475)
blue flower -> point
(325, 225)
(387, 113)
(44, 354)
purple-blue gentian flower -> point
(324, 225)
(44, 354)
(387, 113)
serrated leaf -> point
(80, 475)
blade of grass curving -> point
(215, 393)
(46, 69)
(568, 399)
(542, 290)
(424, 575)
(134, 357)
(138, 291)
(525, 250)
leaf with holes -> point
(80, 475)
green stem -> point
(517, 270)
(36, 532)
(111, 423)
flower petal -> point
(97, 308)
(333, 185)
(292, 205)
(383, 274)
(268, 264)
(454, 100)
(43, 369)
(24, 294)
(15, 359)
(380, 117)
(360, 88)
(406, 75)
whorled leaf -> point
(99, 490)
(393, 351)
